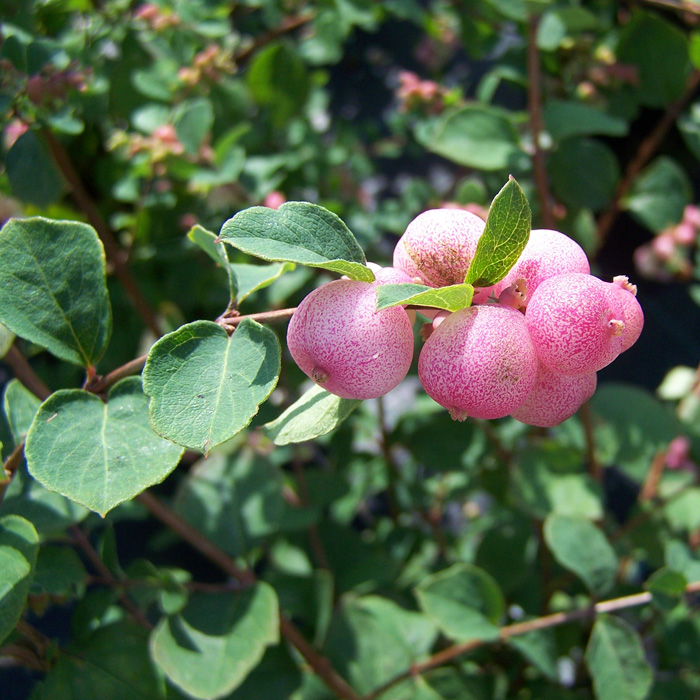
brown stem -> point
(9, 468)
(288, 24)
(320, 665)
(651, 483)
(113, 251)
(518, 628)
(24, 372)
(84, 543)
(681, 7)
(646, 150)
(534, 106)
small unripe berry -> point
(339, 339)
(479, 362)
(547, 253)
(554, 398)
(576, 324)
(438, 246)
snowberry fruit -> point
(438, 246)
(547, 253)
(339, 339)
(555, 397)
(576, 323)
(479, 362)
(626, 295)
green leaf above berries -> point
(504, 238)
(298, 232)
(452, 298)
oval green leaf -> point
(209, 648)
(464, 601)
(452, 298)
(52, 287)
(19, 545)
(95, 453)
(315, 413)
(616, 660)
(579, 546)
(504, 238)
(298, 232)
(205, 386)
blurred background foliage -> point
(148, 119)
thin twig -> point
(10, 467)
(287, 25)
(115, 254)
(519, 628)
(681, 7)
(646, 150)
(534, 106)
(84, 543)
(24, 372)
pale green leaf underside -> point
(579, 546)
(504, 238)
(315, 413)
(20, 407)
(204, 386)
(52, 287)
(95, 453)
(209, 648)
(19, 545)
(298, 232)
(452, 298)
(206, 240)
(464, 601)
(617, 662)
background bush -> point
(401, 555)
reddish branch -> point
(646, 150)
(115, 254)
(287, 25)
(534, 105)
(24, 372)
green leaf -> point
(52, 287)
(19, 545)
(193, 121)
(659, 194)
(95, 453)
(683, 511)
(616, 661)
(464, 601)
(559, 23)
(278, 79)
(7, 337)
(504, 238)
(234, 500)
(112, 664)
(540, 649)
(205, 386)
(315, 413)
(59, 571)
(667, 587)
(372, 639)
(209, 648)
(207, 241)
(452, 298)
(660, 52)
(475, 136)
(564, 119)
(579, 546)
(584, 173)
(33, 175)
(275, 678)
(298, 232)
(20, 408)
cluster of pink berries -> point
(529, 346)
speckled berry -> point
(337, 338)
(438, 246)
(626, 295)
(479, 362)
(547, 253)
(576, 323)
(555, 397)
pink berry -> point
(547, 253)
(576, 323)
(438, 246)
(626, 295)
(479, 362)
(555, 397)
(337, 338)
